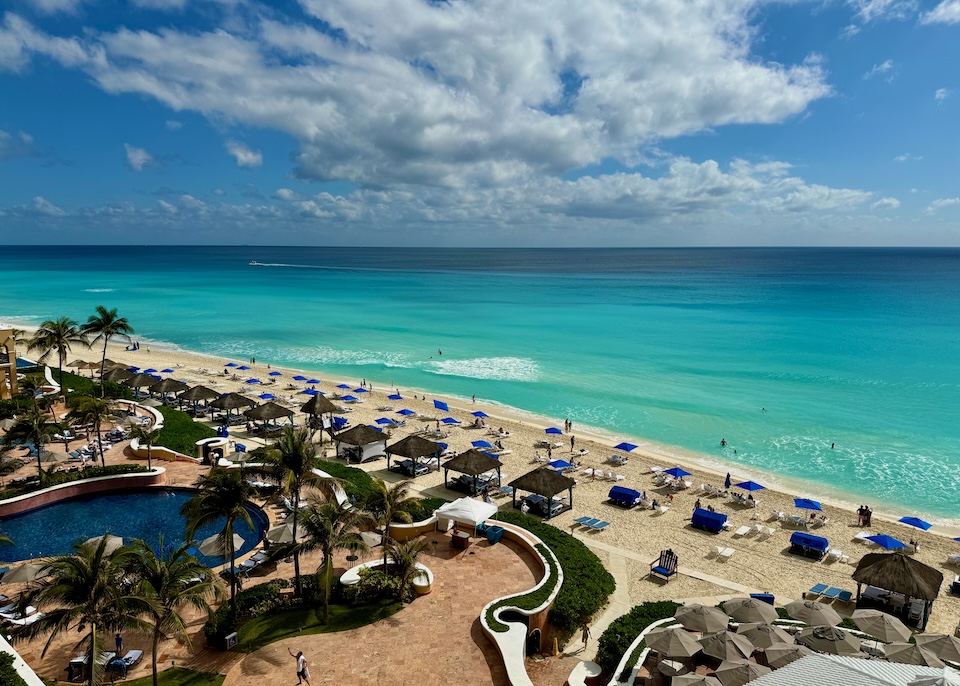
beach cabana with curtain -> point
(414, 448)
(544, 485)
(361, 443)
(898, 585)
(472, 465)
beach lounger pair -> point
(742, 531)
(824, 592)
(725, 553)
(591, 523)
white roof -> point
(467, 510)
(833, 669)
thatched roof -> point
(898, 573)
(319, 405)
(543, 481)
(361, 435)
(168, 386)
(117, 375)
(140, 380)
(232, 401)
(268, 411)
(472, 462)
(414, 447)
(199, 393)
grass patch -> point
(426, 507)
(302, 621)
(359, 484)
(74, 384)
(180, 432)
(178, 676)
(531, 600)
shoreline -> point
(712, 465)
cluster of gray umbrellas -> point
(757, 631)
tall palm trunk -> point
(92, 656)
(103, 362)
(233, 572)
(327, 583)
(296, 551)
(156, 645)
(103, 460)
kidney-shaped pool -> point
(146, 514)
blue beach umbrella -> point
(443, 446)
(267, 396)
(252, 381)
(554, 430)
(749, 486)
(561, 464)
(243, 368)
(625, 446)
(480, 414)
(481, 444)
(309, 391)
(349, 398)
(807, 504)
(887, 542)
(276, 374)
(449, 420)
(384, 421)
(299, 377)
(915, 521)
(149, 371)
(360, 390)
(230, 364)
(342, 385)
(676, 472)
(395, 396)
(377, 428)
(133, 370)
(156, 376)
(440, 405)
(314, 382)
(405, 412)
(495, 457)
(166, 371)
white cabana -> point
(466, 511)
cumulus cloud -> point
(244, 156)
(285, 194)
(138, 158)
(167, 207)
(879, 69)
(947, 12)
(55, 6)
(941, 94)
(886, 204)
(189, 202)
(18, 144)
(940, 204)
(173, 124)
(44, 207)
(907, 157)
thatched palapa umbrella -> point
(268, 411)
(414, 447)
(365, 438)
(232, 401)
(318, 404)
(168, 385)
(138, 381)
(198, 393)
(119, 375)
(546, 482)
(900, 574)
(472, 463)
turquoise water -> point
(856, 348)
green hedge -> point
(58, 478)
(14, 406)
(180, 432)
(8, 673)
(426, 507)
(531, 600)
(586, 582)
(81, 385)
(623, 630)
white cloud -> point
(940, 204)
(941, 94)
(875, 10)
(138, 158)
(55, 6)
(189, 202)
(907, 157)
(886, 204)
(947, 12)
(244, 156)
(167, 207)
(286, 194)
(173, 124)
(43, 206)
(18, 144)
(878, 69)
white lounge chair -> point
(953, 560)
(742, 531)
(724, 553)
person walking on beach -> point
(573, 439)
(303, 672)
(726, 482)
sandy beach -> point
(759, 564)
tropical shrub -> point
(586, 582)
(8, 673)
(531, 600)
(252, 602)
(622, 631)
(81, 385)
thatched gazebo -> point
(367, 443)
(196, 394)
(138, 381)
(165, 386)
(232, 401)
(319, 405)
(268, 411)
(118, 375)
(895, 573)
(546, 483)
(413, 448)
(472, 463)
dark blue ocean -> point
(680, 348)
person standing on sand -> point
(573, 439)
(303, 672)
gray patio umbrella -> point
(702, 618)
(726, 645)
(750, 610)
(113, 542)
(50, 457)
(213, 546)
(910, 654)
(944, 646)
(283, 533)
(734, 673)
(813, 613)
(24, 573)
(881, 625)
(695, 680)
(765, 635)
(781, 655)
(673, 642)
(828, 639)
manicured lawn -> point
(180, 432)
(177, 676)
(276, 626)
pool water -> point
(147, 514)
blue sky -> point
(490, 122)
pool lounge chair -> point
(584, 522)
(598, 526)
(24, 621)
(665, 567)
(133, 657)
(845, 597)
(832, 593)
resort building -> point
(8, 364)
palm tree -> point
(330, 527)
(104, 325)
(170, 579)
(57, 336)
(223, 495)
(389, 503)
(85, 409)
(293, 461)
(85, 590)
(32, 385)
(35, 427)
(403, 555)
(146, 436)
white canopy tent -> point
(466, 511)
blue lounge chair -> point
(832, 593)
(818, 590)
(599, 526)
(589, 522)
(845, 597)
(665, 566)
(581, 520)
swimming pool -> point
(144, 514)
